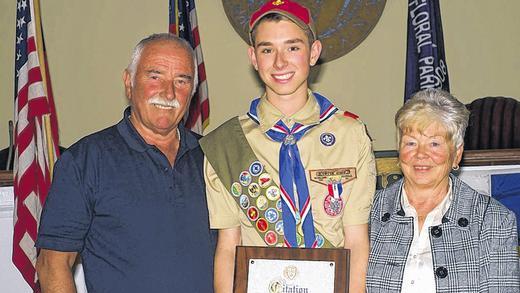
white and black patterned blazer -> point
(474, 249)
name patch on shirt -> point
(333, 176)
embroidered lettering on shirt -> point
(333, 176)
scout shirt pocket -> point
(330, 190)
(334, 183)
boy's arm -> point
(228, 239)
(356, 239)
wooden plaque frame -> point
(341, 258)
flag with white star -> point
(36, 136)
(183, 22)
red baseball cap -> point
(296, 12)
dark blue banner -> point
(425, 60)
(506, 189)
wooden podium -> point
(338, 258)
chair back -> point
(494, 123)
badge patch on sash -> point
(256, 168)
(252, 213)
(262, 225)
(271, 238)
(236, 189)
(320, 240)
(264, 180)
(245, 178)
(273, 193)
(279, 227)
(271, 215)
(244, 201)
(254, 189)
(262, 203)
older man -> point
(130, 198)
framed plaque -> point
(278, 270)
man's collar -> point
(188, 140)
(269, 115)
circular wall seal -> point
(341, 25)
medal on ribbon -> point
(333, 203)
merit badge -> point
(245, 178)
(244, 201)
(261, 225)
(272, 193)
(253, 189)
(271, 215)
(333, 205)
(256, 168)
(252, 213)
(299, 239)
(279, 227)
(262, 203)
(279, 205)
(264, 180)
(319, 241)
(271, 238)
(236, 189)
(327, 139)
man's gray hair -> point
(433, 105)
(138, 50)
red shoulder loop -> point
(351, 115)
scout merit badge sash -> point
(253, 189)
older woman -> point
(430, 232)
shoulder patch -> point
(351, 115)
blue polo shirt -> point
(139, 224)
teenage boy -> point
(295, 171)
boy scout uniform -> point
(338, 162)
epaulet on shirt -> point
(356, 117)
(350, 114)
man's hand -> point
(54, 270)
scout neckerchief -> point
(292, 175)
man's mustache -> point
(158, 100)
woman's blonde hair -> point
(431, 106)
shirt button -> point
(436, 232)
(385, 217)
(165, 170)
(441, 272)
(463, 222)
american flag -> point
(425, 59)
(183, 22)
(36, 136)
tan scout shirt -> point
(352, 149)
